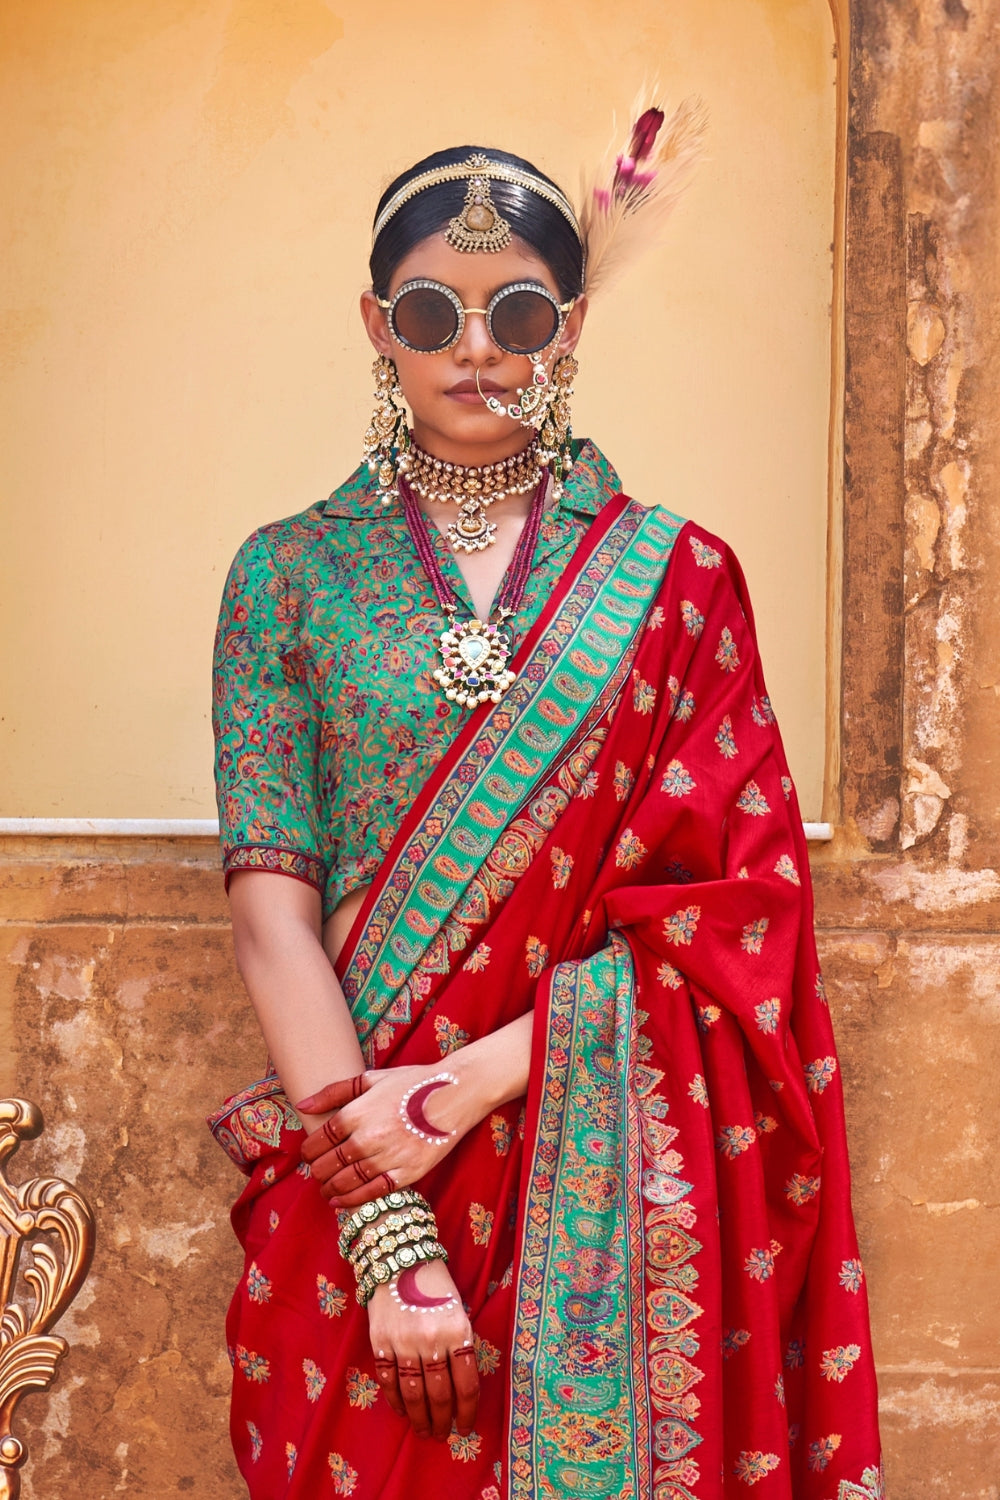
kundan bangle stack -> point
(402, 1240)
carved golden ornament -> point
(479, 166)
(55, 1270)
(480, 225)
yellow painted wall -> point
(188, 190)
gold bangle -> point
(385, 1244)
(382, 1272)
(414, 1219)
(403, 1253)
(399, 1198)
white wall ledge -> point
(190, 828)
(136, 828)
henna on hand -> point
(411, 1108)
(407, 1294)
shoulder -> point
(271, 574)
(594, 481)
(703, 551)
(695, 549)
(279, 546)
(284, 547)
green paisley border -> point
(574, 1432)
(510, 755)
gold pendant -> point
(474, 659)
(472, 531)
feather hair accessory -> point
(625, 206)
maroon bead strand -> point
(516, 578)
(417, 524)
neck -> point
(491, 469)
(473, 454)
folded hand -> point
(387, 1129)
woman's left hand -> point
(388, 1128)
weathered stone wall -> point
(908, 897)
(127, 1023)
(124, 1018)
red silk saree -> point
(656, 1247)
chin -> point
(465, 424)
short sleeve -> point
(266, 724)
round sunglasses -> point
(428, 316)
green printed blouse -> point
(327, 719)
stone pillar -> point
(908, 896)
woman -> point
(546, 951)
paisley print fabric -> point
(656, 1246)
(327, 719)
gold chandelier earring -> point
(555, 432)
(387, 441)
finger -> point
(352, 1175)
(465, 1379)
(334, 1095)
(385, 1182)
(332, 1133)
(411, 1386)
(387, 1376)
(324, 1168)
(440, 1395)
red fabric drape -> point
(672, 822)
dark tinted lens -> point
(425, 319)
(525, 322)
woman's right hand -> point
(425, 1358)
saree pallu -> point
(656, 1247)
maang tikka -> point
(388, 437)
(480, 225)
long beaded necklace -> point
(472, 488)
(474, 655)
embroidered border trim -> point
(871, 1485)
(279, 860)
(572, 1430)
(502, 769)
(250, 1122)
(604, 1336)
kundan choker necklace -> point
(474, 655)
(472, 489)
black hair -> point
(532, 219)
